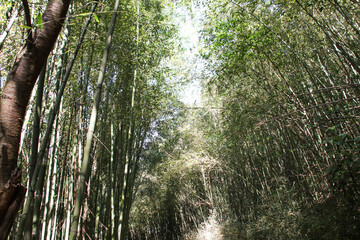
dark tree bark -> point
(13, 102)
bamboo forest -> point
(180, 119)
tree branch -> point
(28, 20)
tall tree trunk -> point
(13, 102)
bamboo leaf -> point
(39, 20)
(26, 27)
(96, 18)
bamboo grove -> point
(59, 177)
(274, 151)
(108, 151)
(288, 77)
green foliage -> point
(275, 156)
(39, 21)
(287, 127)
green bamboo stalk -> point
(46, 138)
(85, 167)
